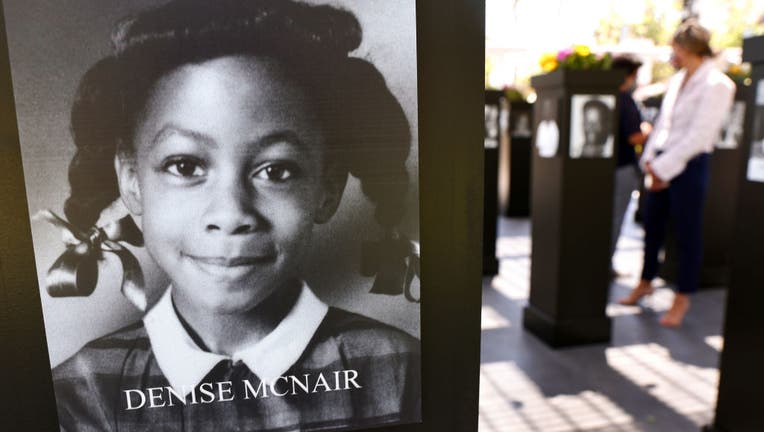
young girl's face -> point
(228, 177)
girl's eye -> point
(184, 168)
(276, 172)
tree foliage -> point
(743, 19)
(658, 22)
(731, 21)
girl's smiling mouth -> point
(235, 261)
(235, 266)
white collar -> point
(184, 364)
(700, 74)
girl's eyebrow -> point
(171, 129)
(287, 136)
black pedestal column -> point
(520, 157)
(740, 405)
(494, 112)
(572, 207)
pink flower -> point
(562, 54)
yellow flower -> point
(548, 62)
(581, 50)
(735, 69)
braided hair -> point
(368, 135)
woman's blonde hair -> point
(694, 38)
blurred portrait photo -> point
(756, 158)
(521, 120)
(591, 123)
(547, 131)
(732, 130)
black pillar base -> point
(560, 333)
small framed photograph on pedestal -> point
(591, 135)
(756, 158)
(547, 130)
(732, 130)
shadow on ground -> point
(648, 378)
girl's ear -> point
(129, 188)
(334, 185)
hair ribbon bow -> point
(395, 261)
(75, 272)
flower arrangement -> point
(740, 74)
(575, 57)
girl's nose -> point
(231, 210)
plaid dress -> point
(90, 386)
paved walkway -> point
(648, 379)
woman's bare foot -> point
(675, 315)
(644, 288)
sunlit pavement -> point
(647, 379)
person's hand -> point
(654, 183)
(638, 139)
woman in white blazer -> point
(676, 161)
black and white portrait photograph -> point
(756, 158)
(547, 131)
(491, 138)
(732, 129)
(520, 120)
(590, 126)
(225, 212)
(496, 119)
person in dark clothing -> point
(630, 135)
